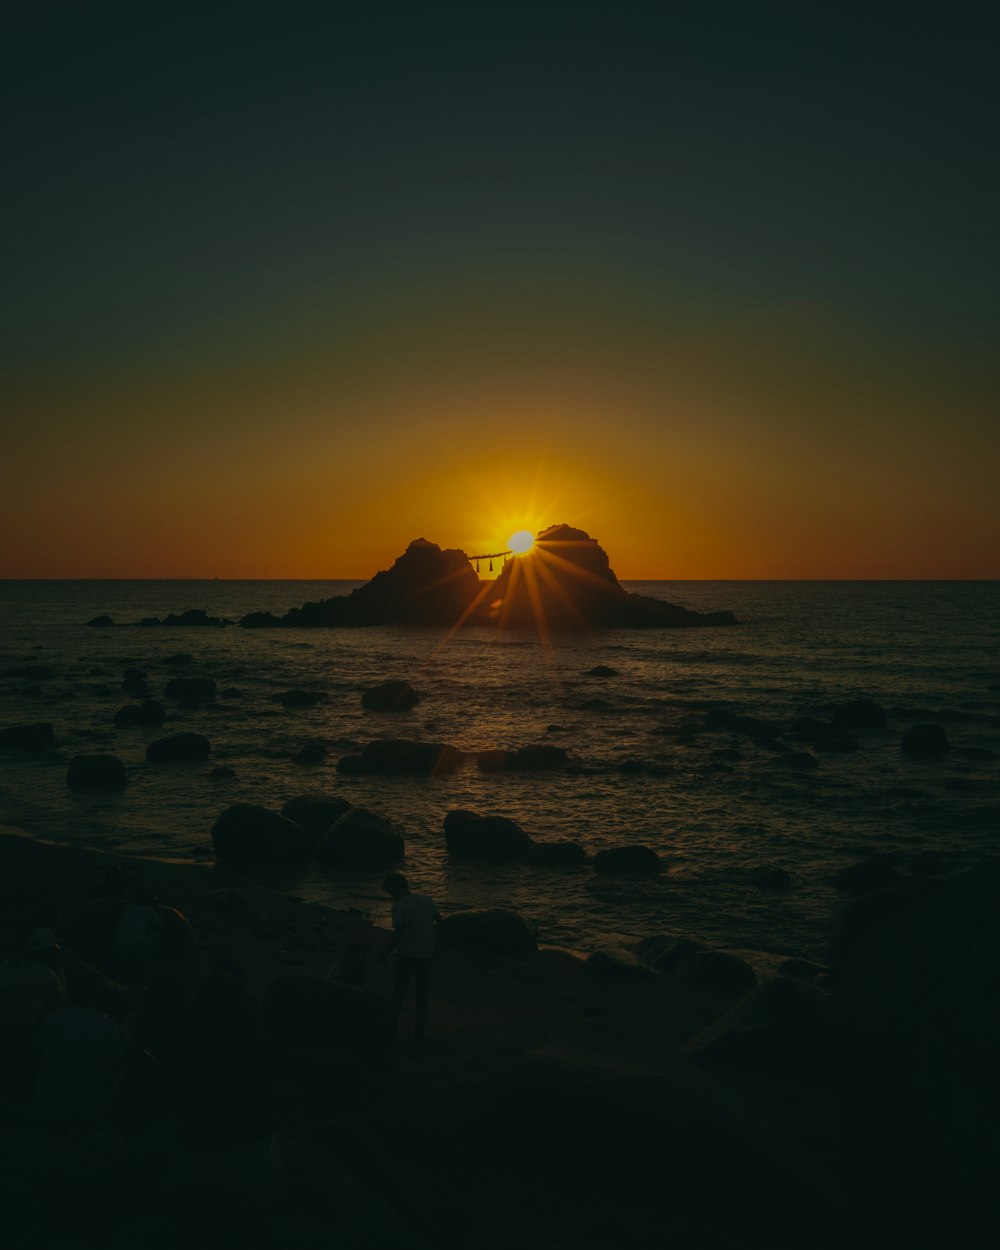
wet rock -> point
(615, 963)
(632, 767)
(135, 681)
(401, 757)
(179, 658)
(311, 753)
(601, 670)
(176, 937)
(802, 970)
(193, 617)
(783, 1027)
(246, 835)
(390, 696)
(27, 737)
(665, 951)
(876, 873)
(305, 1013)
(635, 858)
(298, 698)
(871, 911)
(590, 1090)
(183, 746)
(359, 840)
(231, 692)
(492, 932)
(716, 970)
(925, 742)
(95, 772)
(472, 836)
(533, 758)
(196, 689)
(100, 622)
(556, 855)
(315, 814)
(223, 773)
(149, 712)
(770, 877)
(859, 714)
(930, 864)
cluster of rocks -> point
(576, 589)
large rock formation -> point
(565, 582)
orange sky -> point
(715, 284)
(690, 464)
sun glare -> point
(521, 542)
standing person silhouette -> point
(414, 920)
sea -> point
(721, 810)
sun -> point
(521, 542)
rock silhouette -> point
(566, 583)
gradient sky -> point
(287, 286)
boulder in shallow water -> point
(315, 814)
(179, 658)
(875, 873)
(472, 836)
(95, 772)
(390, 696)
(248, 836)
(635, 858)
(925, 742)
(601, 670)
(298, 698)
(783, 1027)
(492, 932)
(358, 841)
(615, 963)
(184, 746)
(149, 712)
(194, 689)
(134, 681)
(533, 758)
(27, 737)
(401, 757)
(310, 753)
(664, 951)
(100, 622)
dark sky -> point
(729, 234)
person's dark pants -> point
(420, 969)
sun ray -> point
(486, 589)
(537, 606)
(560, 592)
(543, 549)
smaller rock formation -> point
(400, 757)
(95, 772)
(390, 696)
(471, 836)
(27, 737)
(183, 746)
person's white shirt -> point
(413, 918)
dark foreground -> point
(669, 1096)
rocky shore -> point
(664, 1094)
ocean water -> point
(716, 807)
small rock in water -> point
(311, 753)
(27, 737)
(925, 742)
(390, 696)
(299, 698)
(185, 746)
(627, 859)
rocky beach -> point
(618, 1097)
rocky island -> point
(565, 583)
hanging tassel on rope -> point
(491, 566)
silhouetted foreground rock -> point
(390, 696)
(401, 757)
(185, 746)
(248, 836)
(492, 932)
(198, 689)
(565, 583)
(358, 840)
(627, 859)
(471, 836)
(149, 712)
(315, 814)
(597, 1094)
